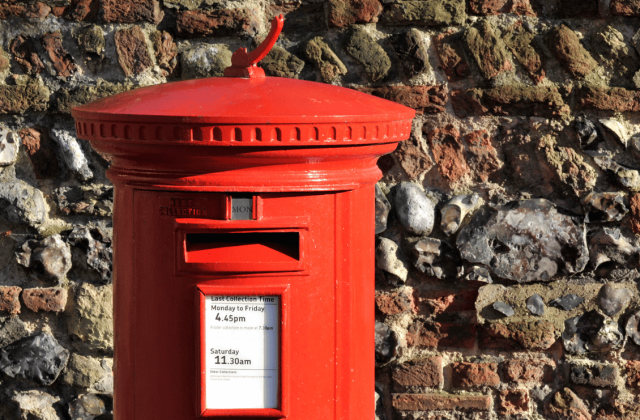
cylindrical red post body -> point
(176, 230)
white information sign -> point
(242, 351)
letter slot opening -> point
(242, 247)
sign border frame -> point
(282, 291)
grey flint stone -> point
(86, 407)
(634, 141)
(609, 245)
(478, 273)
(636, 41)
(455, 211)
(49, 258)
(12, 329)
(414, 210)
(539, 393)
(23, 254)
(53, 256)
(628, 177)
(21, 203)
(9, 145)
(390, 258)
(525, 241)
(99, 255)
(616, 128)
(572, 338)
(608, 337)
(567, 302)
(605, 207)
(536, 305)
(503, 308)
(105, 384)
(72, 154)
(632, 328)
(382, 210)
(385, 343)
(437, 258)
(91, 199)
(612, 300)
(591, 332)
(38, 358)
(586, 131)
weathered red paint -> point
(306, 153)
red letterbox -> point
(244, 236)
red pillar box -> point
(244, 237)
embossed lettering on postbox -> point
(241, 208)
(242, 351)
(194, 205)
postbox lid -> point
(243, 108)
(235, 100)
(234, 110)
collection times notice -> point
(241, 344)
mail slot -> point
(265, 245)
(243, 243)
(258, 247)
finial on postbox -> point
(243, 63)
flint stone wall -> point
(507, 248)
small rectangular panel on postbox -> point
(242, 207)
(242, 366)
(241, 351)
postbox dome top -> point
(235, 109)
(235, 100)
